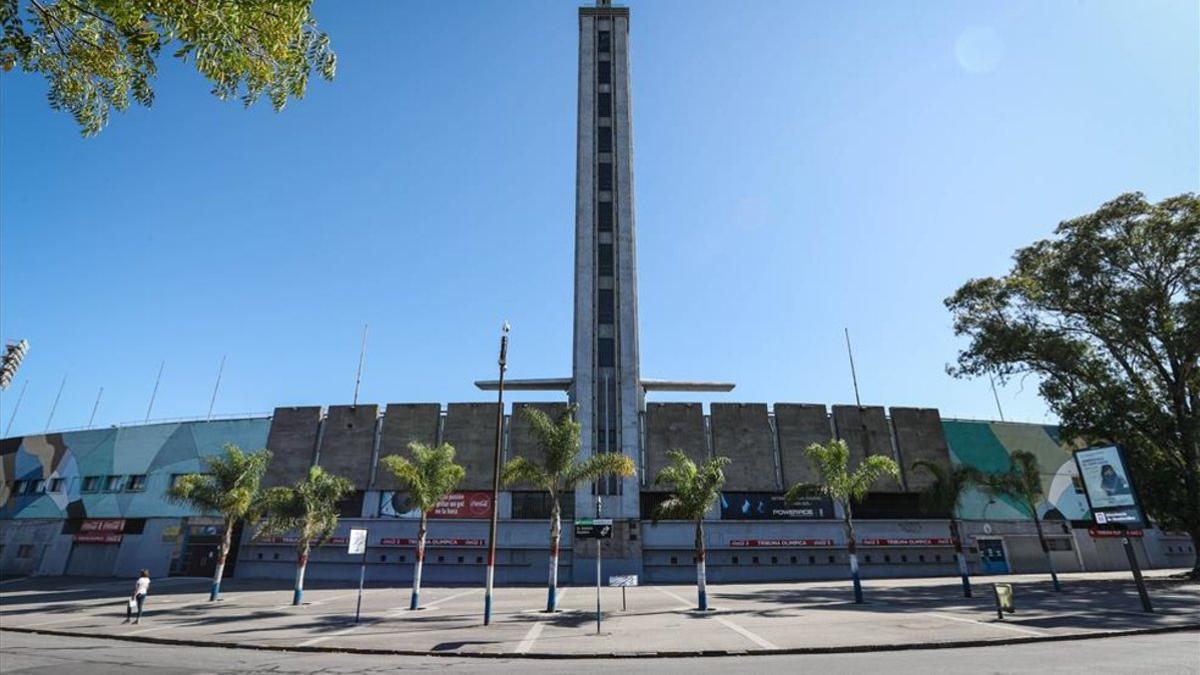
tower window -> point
(605, 313)
(605, 263)
(604, 42)
(604, 72)
(604, 104)
(605, 176)
(606, 352)
(606, 216)
(603, 139)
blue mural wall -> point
(157, 451)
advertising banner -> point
(98, 538)
(431, 542)
(1108, 487)
(936, 541)
(110, 525)
(771, 506)
(778, 543)
(477, 504)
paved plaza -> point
(657, 621)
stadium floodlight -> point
(14, 353)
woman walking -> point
(140, 588)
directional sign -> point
(623, 581)
(594, 528)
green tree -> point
(559, 471)
(844, 487)
(428, 477)
(230, 489)
(1023, 483)
(98, 54)
(694, 490)
(943, 497)
(310, 509)
(1107, 316)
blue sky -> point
(801, 166)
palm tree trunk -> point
(422, 528)
(301, 566)
(1037, 522)
(555, 535)
(852, 549)
(700, 572)
(226, 543)
(960, 557)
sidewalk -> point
(659, 621)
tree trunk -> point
(701, 580)
(422, 528)
(301, 566)
(555, 536)
(1195, 535)
(1037, 522)
(852, 550)
(226, 543)
(960, 557)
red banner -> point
(110, 525)
(97, 538)
(429, 541)
(1101, 534)
(293, 540)
(778, 543)
(907, 542)
(464, 505)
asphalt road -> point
(1160, 654)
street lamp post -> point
(491, 559)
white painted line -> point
(12, 581)
(396, 614)
(63, 620)
(151, 630)
(686, 605)
(534, 631)
(991, 624)
(761, 642)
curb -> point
(847, 649)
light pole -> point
(491, 559)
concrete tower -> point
(606, 382)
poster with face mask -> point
(1108, 485)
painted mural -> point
(987, 446)
(156, 451)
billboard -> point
(477, 504)
(1109, 487)
(771, 506)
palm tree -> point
(559, 471)
(230, 488)
(1023, 483)
(429, 477)
(832, 462)
(310, 509)
(694, 490)
(944, 496)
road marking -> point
(536, 629)
(685, 606)
(760, 641)
(392, 615)
(992, 624)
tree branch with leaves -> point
(97, 54)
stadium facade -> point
(92, 502)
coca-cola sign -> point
(466, 505)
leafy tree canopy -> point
(695, 488)
(229, 487)
(309, 508)
(429, 475)
(832, 463)
(559, 470)
(1107, 315)
(98, 54)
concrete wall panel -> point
(799, 425)
(404, 423)
(471, 429)
(348, 442)
(742, 432)
(673, 426)
(919, 436)
(292, 442)
(865, 429)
